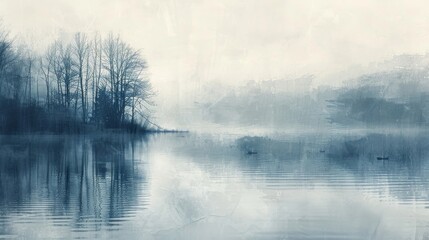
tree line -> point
(84, 82)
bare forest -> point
(84, 83)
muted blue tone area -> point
(215, 186)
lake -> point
(348, 185)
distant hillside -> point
(399, 97)
(396, 95)
(275, 103)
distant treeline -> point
(86, 82)
(394, 98)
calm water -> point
(197, 186)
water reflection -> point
(347, 162)
(82, 183)
(194, 186)
(293, 190)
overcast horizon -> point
(192, 43)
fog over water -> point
(307, 119)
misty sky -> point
(189, 43)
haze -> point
(189, 44)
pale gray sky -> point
(188, 43)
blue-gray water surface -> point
(215, 186)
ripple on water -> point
(197, 187)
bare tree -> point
(29, 59)
(47, 62)
(7, 56)
(140, 98)
(97, 56)
(124, 67)
(64, 72)
(81, 50)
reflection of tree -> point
(404, 170)
(399, 148)
(323, 162)
(86, 179)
